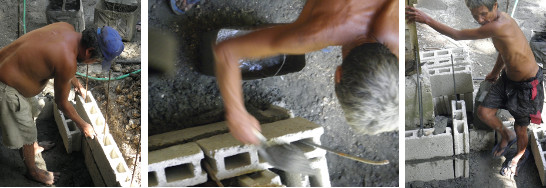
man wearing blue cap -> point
(28, 63)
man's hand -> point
(81, 90)
(241, 126)
(415, 15)
(492, 76)
(88, 130)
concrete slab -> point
(429, 145)
(178, 165)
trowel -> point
(352, 157)
(285, 157)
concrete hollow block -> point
(70, 133)
(178, 165)
(441, 80)
(461, 136)
(429, 145)
(70, 11)
(250, 69)
(122, 17)
(538, 147)
(437, 169)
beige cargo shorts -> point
(16, 118)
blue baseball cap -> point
(110, 45)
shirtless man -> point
(353, 24)
(29, 62)
(519, 89)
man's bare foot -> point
(45, 177)
(503, 145)
(43, 146)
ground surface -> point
(175, 102)
(530, 15)
(72, 167)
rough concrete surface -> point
(484, 170)
(189, 98)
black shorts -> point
(523, 100)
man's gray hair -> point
(368, 90)
(472, 4)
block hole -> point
(429, 62)
(107, 141)
(88, 98)
(261, 159)
(540, 135)
(179, 172)
(460, 126)
(458, 115)
(99, 121)
(460, 68)
(431, 72)
(120, 168)
(444, 70)
(444, 61)
(236, 161)
(543, 146)
(304, 147)
(443, 52)
(152, 179)
(71, 125)
(409, 134)
(114, 154)
(429, 54)
(315, 181)
(458, 105)
(93, 110)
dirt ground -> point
(180, 101)
(72, 166)
(484, 170)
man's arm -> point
(494, 74)
(78, 87)
(63, 77)
(295, 38)
(485, 31)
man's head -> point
(367, 89)
(102, 44)
(483, 11)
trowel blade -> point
(286, 157)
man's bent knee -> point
(485, 113)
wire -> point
(106, 79)
(24, 16)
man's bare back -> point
(30, 61)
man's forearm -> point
(229, 79)
(70, 112)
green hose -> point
(106, 79)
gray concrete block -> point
(321, 177)
(70, 133)
(440, 103)
(429, 145)
(441, 169)
(462, 168)
(92, 166)
(460, 128)
(178, 165)
(412, 103)
(538, 146)
(56, 12)
(458, 55)
(123, 21)
(441, 80)
(264, 178)
(271, 114)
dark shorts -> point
(523, 100)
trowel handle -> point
(260, 136)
